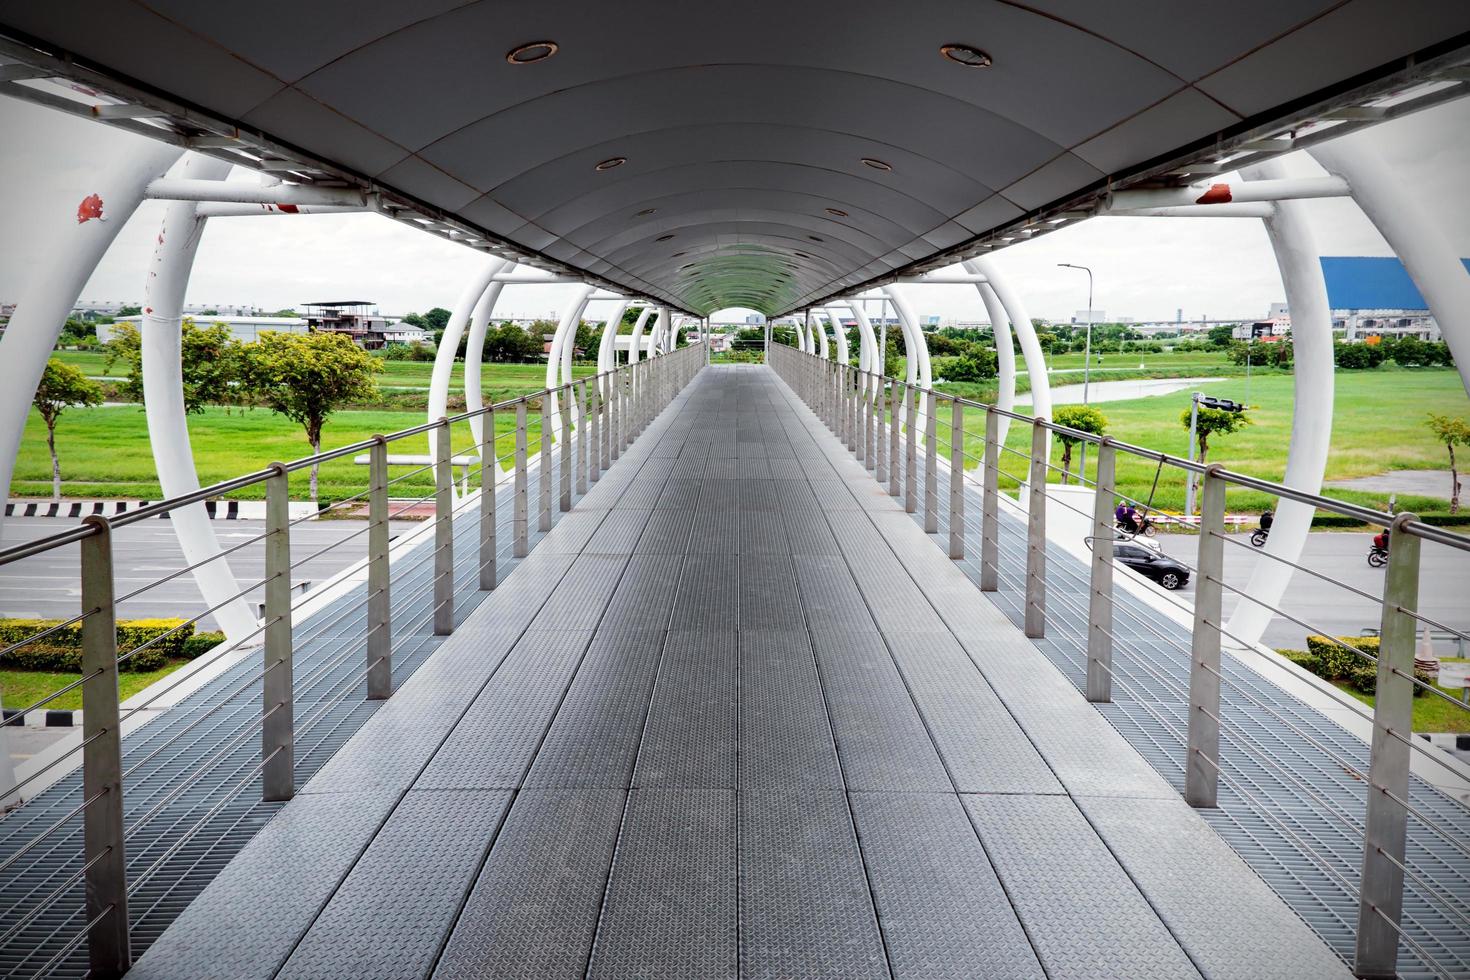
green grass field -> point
(23, 688)
(1377, 426)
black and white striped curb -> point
(107, 508)
(45, 718)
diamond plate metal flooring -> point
(731, 727)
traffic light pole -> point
(1189, 486)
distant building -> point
(361, 321)
(246, 329)
(1376, 296)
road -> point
(47, 585)
(1444, 583)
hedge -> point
(1434, 520)
(62, 650)
(1327, 659)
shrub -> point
(1357, 357)
(1334, 663)
(62, 650)
(199, 644)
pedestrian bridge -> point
(735, 714)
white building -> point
(245, 329)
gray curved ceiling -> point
(744, 126)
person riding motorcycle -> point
(1126, 517)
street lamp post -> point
(1086, 359)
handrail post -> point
(1036, 534)
(615, 412)
(544, 481)
(443, 533)
(1100, 585)
(931, 463)
(602, 449)
(1381, 887)
(565, 503)
(956, 479)
(108, 947)
(519, 516)
(849, 410)
(1202, 770)
(911, 450)
(489, 474)
(583, 431)
(880, 434)
(989, 506)
(895, 434)
(379, 605)
(625, 409)
(277, 731)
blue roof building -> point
(1373, 295)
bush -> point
(62, 650)
(199, 644)
(1358, 357)
(1334, 663)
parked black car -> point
(1152, 564)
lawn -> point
(105, 451)
(1431, 714)
(23, 688)
(1377, 426)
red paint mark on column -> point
(91, 207)
(288, 209)
(1217, 194)
(147, 309)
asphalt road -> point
(47, 585)
(1444, 585)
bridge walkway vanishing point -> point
(735, 716)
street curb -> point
(218, 510)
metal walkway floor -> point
(736, 716)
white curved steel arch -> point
(824, 350)
(635, 342)
(1005, 351)
(474, 354)
(562, 340)
(867, 340)
(1416, 235)
(1299, 259)
(916, 349)
(444, 357)
(607, 350)
(1031, 351)
(844, 352)
(81, 239)
(163, 398)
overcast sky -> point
(1145, 268)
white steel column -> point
(464, 307)
(163, 398)
(868, 351)
(82, 233)
(1297, 255)
(1414, 231)
(607, 347)
(474, 355)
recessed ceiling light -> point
(877, 164)
(966, 54)
(611, 162)
(816, 238)
(529, 54)
(837, 212)
(663, 238)
(645, 212)
(801, 255)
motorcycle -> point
(1377, 557)
(1145, 527)
(1258, 537)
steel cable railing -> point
(561, 452)
(906, 415)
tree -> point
(975, 364)
(62, 386)
(1210, 422)
(306, 377)
(1083, 418)
(1221, 335)
(130, 311)
(211, 359)
(1452, 432)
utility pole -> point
(1193, 423)
(1086, 360)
